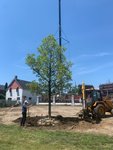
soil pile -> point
(57, 123)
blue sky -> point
(86, 24)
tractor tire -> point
(100, 110)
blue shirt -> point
(24, 108)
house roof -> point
(107, 86)
(22, 83)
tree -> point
(53, 74)
(74, 89)
(34, 87)
(6, 86)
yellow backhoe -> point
(94, 106)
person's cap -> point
(26, 102)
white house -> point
(18, 90)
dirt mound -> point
(57, 123)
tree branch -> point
(36, 70)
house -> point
(106, 89)
(18, 90)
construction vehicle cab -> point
(92, 96)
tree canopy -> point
(53, 74)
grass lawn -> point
(17, 138)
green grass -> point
(16, 138)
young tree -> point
(53, 74)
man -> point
(24, 113)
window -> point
(10, 90)
(18, 98)
(99, 95)
(17, 91)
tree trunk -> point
(49, 94)
(49, 86)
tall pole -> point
(60, 40)
(60, 29)
(83, 96)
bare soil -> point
(66, 115)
